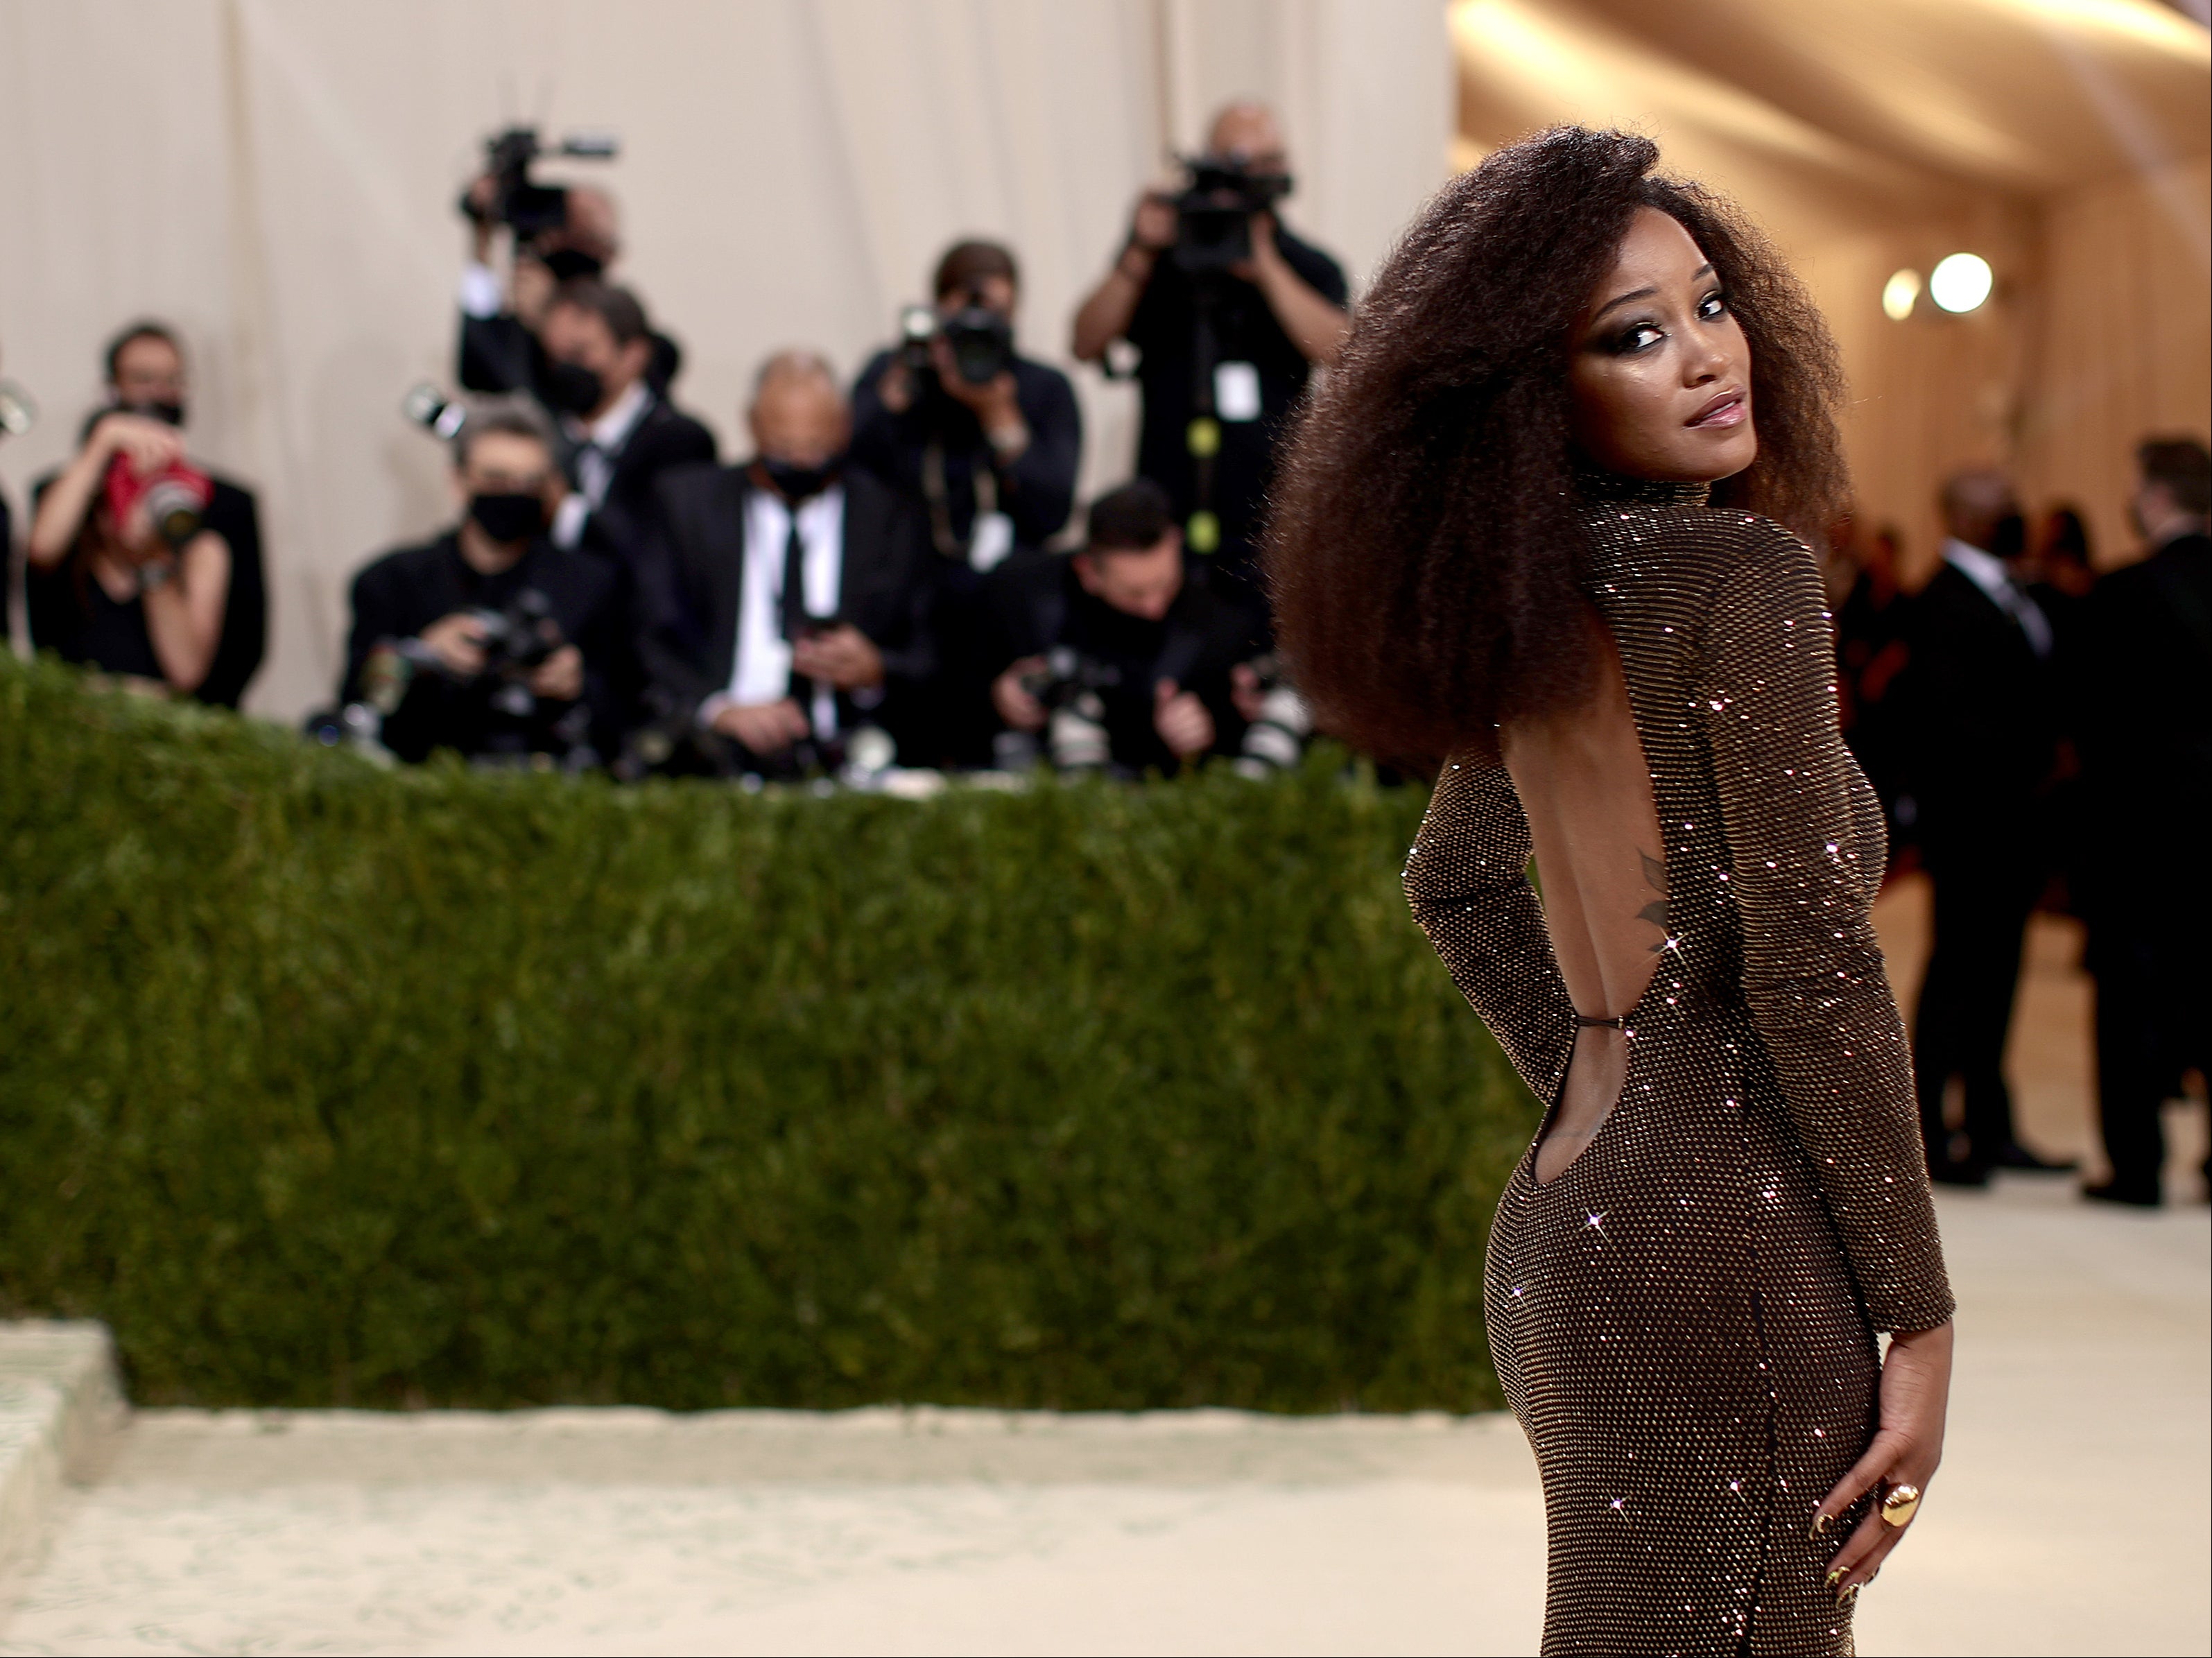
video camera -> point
(1213, 213)
(981, 340)
(531, 210)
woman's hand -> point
(152, 446)
(63, 508)
(1916, 1391)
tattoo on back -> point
(1655, 876)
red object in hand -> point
(176, 498)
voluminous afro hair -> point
(1424, 550)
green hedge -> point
(325, 1084)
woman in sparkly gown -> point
(1535, 524)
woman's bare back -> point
(1585, 785)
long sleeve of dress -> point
(1467, 879)
(1805, 856)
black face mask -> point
(2008, 539)
(573, 389)
(170, 414)
(569, 265)
(797, 484)
(508, 515)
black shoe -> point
(1953, 1171)
(2134, 1197)
(2014, 1155)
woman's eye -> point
(1640, 337)
(1711, 305)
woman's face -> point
(1661, 372)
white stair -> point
(59, 1402)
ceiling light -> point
(1960, 282)
(1899, 292)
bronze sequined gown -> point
(1684, 1320)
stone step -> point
(60, 1403)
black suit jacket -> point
(2145, 670)
(691, 641)
(664, 438)
(1979, 715)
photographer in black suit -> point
(489, 641)
(1980, 720)
(796, 602)
(987, 443)
(1112, 659)
(97, 620)
(621, 434)
(2146, 742)
(1227, 345)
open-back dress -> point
(1684, 1318)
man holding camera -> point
(1113, 658)
(797, 603)
(141, 564)
(556, 234)
(621, 433)
(955, 418)
(986, 442)
(490, 640)
(1231, 313)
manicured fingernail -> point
(1844, 1597)
(1835, 1577)
(1821, 1524)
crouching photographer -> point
(1114, 660)
(490, 640)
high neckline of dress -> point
(1598, 488)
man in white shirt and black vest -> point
(793, 594)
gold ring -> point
(1899, 1503)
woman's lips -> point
(1727, 409)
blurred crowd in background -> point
(896, 578)
(2039, 733)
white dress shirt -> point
(1987, 571)
(483, 294)
(762, 670)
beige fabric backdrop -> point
(277, 177)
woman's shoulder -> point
(1708, 550)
